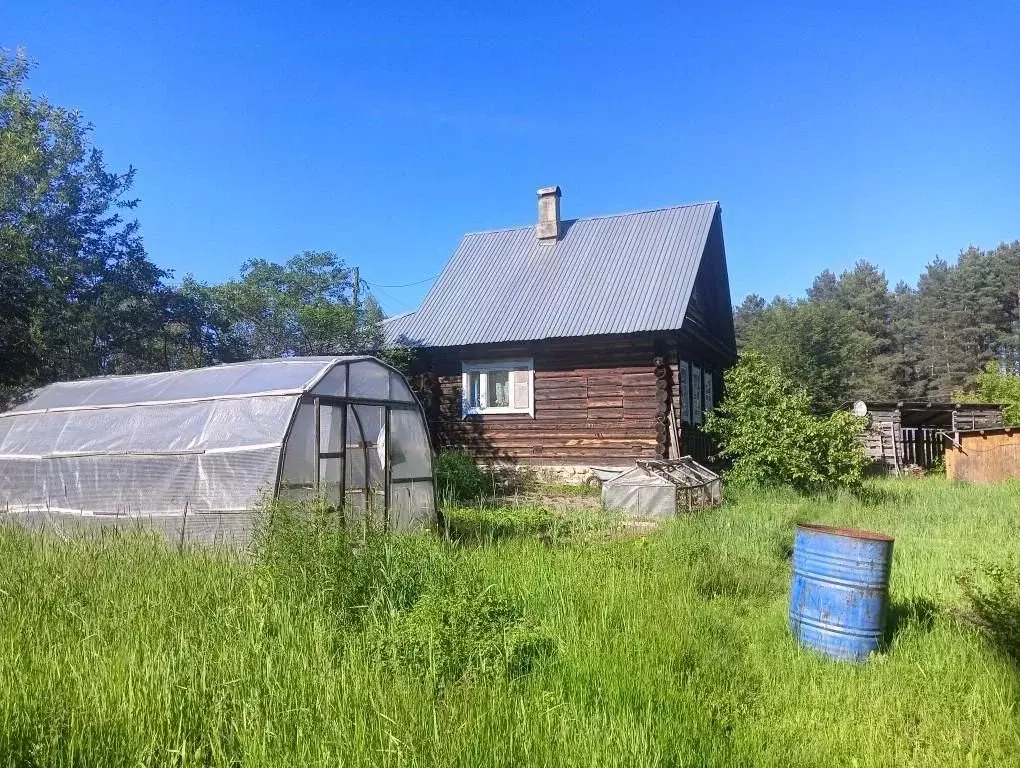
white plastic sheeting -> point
(209, 440)
(662, 488)
(641, 494)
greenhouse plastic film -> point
(209, 441)
(650, 499)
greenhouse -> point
(212, 444)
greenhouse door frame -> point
(343, 403)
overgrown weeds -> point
(335, 644)
(416, 599)
(460, 480)
(992, 591)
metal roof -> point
(393, 327)
(610, 274)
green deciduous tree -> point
(303, 307)
(79, 295)
(996, 385)
(766, 428)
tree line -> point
(79, 296)
(853, 337)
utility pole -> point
(356, 277)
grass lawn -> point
(526, 639)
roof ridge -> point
(391, 318)
(596, 218)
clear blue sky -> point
(384, 131)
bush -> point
(459, 479)
(993, 596)
(766, 428)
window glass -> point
(330, 428)
(707, 393)
(474, 390)
(398, 389)
(522, 389)
(409, 446)
(329, 480)
(498, 389)
(685, 392)
(299, 460)
(333, 383)
(369, 379)
(696, 404)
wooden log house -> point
(577, 343)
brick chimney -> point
(548, 229)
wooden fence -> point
(920, 446)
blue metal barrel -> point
(840, 590)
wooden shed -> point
(984, 455)
(912, 433)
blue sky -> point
(383, 131)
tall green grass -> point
(531, 643)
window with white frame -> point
(498, 387)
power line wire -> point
(394, 299)
(402, 285)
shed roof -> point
(609, 274)
(928, 405)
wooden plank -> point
(605, 413)
(550, 383)
(643, 379)
(565, 371)
(545, 433)
(571, 404)
(605, 402)
(581, 453)
(560, 393)
(559, 414)
(643, 401)
(604, 391)
(580, 443)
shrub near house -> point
(767, 429)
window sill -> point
(496, 412)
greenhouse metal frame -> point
(219, 440)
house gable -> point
(602, 341)
(709, 315)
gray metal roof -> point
(393, 328)
(610, 274)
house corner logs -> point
(661, 407)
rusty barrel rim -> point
(850, 533)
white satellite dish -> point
(860, 409)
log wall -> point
(596, 400)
